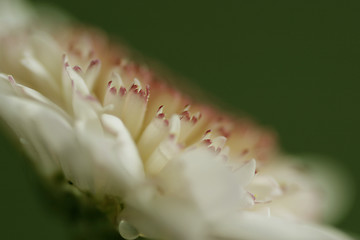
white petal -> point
(86, 112)
(44, 131)
(256, 227)
(159, 216)
(246, 173)
(14, 15)
(126, 148)
(198, 176)
(5, 86)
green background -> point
(291, 66)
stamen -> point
(134, 108)
(78, 69)
(92, 73)
(152, 136)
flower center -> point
(161, 121)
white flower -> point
(175, 168)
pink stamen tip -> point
(194, 120)
(207, 141)
(161, 115)
(109, 84)
(160, 108)
(185, 115)
(144, 93)
(77, 69)
(11, 79)
(94, 62)
(122, 91)
(166, 121)
(134, 88)
(113, 90)
(256, 171)
(208, 131)
(66, 64)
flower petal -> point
(255, 227)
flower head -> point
(172, 167)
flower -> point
(166, 165)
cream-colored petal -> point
(257, 227)
(162, 216)
(246, 173)
(124, 147)
(197, 175)
(42, 130)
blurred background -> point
(291, 66)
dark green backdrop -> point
(292, 66)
